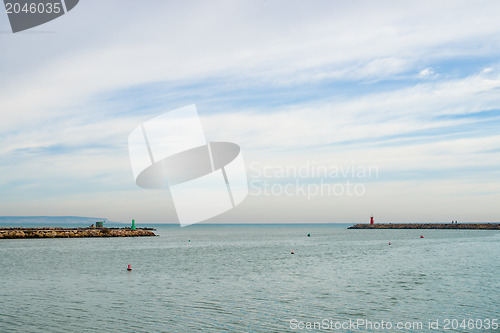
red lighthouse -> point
(371, 219)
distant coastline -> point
(84, 220)
(459, 226)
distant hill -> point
(27, 221)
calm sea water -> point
(243, 278)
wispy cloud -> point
(411, 88)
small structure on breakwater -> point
(460, 226)
(53, 232)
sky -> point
(342, 109)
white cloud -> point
(426, 72)
(304, 42)
(365, 117)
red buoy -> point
(389, 243)
(421, 236)
(129, 267)
(293, 252)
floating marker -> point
(129, 267)
(309, 235)
(389, 243)
(292, 252)
(421, 236)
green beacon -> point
(133, 225)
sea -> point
(244, 278)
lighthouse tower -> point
(371, 219)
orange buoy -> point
(129, 267)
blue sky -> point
(411, 88)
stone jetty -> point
(53, 232)
(460, 226)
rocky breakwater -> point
(460, 226)
(73, 232)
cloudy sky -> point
(409, 89)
